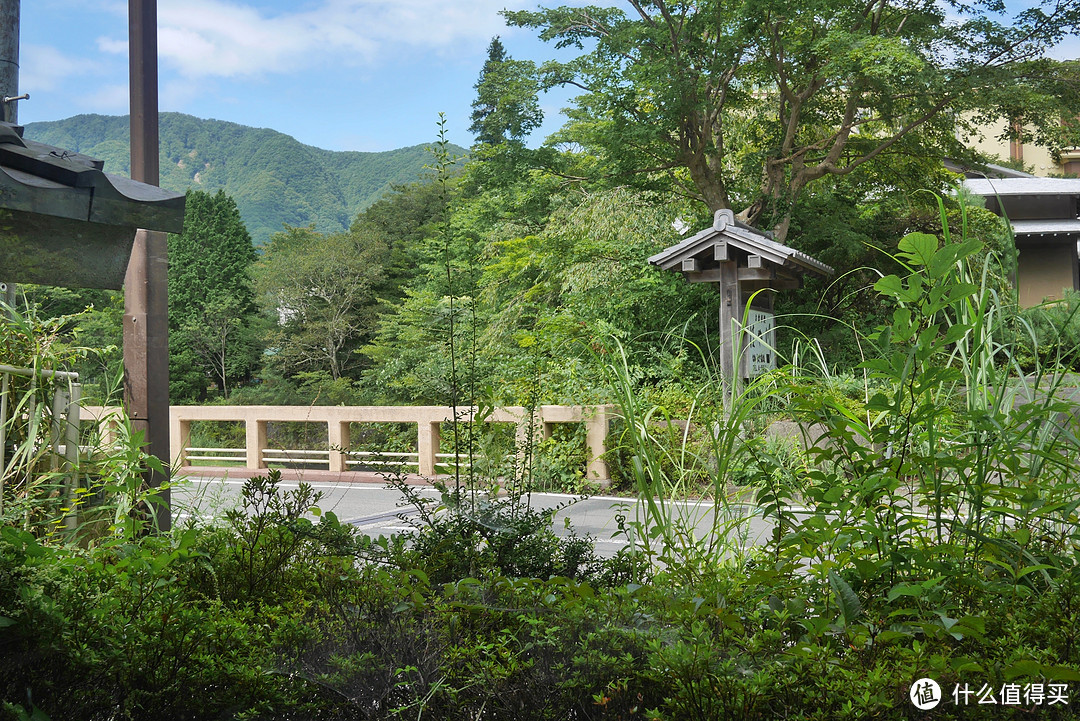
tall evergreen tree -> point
(506, 106)
(212, 311)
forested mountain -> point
(274, 178)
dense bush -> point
(933, 532)
(134, 630)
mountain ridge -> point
(275, 179)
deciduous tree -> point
(745, 104)
(320, 290)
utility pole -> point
(9, 90)
(146, 301)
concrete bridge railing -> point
(338, 457)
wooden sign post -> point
(748, 267)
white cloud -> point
(178, 94)
(1067, 49)
(109, 99)
(113, 47)
(222, 38)
(44, 68)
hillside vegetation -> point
(274, 178)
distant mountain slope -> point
(274, 178)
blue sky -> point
(338, 74)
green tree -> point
(212, 311)
(506, 106)
(320, 291)
(744, 105)
(401, 220)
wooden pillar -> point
(730, 319)
(146, 301)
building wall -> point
(1045, 271)
(1035, 158)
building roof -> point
(1046, 227)
(67, 222)
(43, 179)
(1023, 186)
(753, 241)
(987, 170)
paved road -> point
(378, 510)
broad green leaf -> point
(889, 636)
(890, 285)
(1023, 668)
(1061, 673)
(918, 248)
(850, 608)
(905, 589)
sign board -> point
(760, 342)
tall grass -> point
(959, 471)
(101, 493)
(689, 515)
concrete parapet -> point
(338, 418)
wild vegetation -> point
(932, 532)
(929, 529)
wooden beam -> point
(146, 294)
(756, 274)
(712, 275)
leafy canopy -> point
(743, 105)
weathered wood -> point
(146, 295)
(712, 275)
(769, 265)
(751, 274)
(730, 315)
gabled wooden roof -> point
(67, 222)
(753, 242)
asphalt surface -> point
(375, 509)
